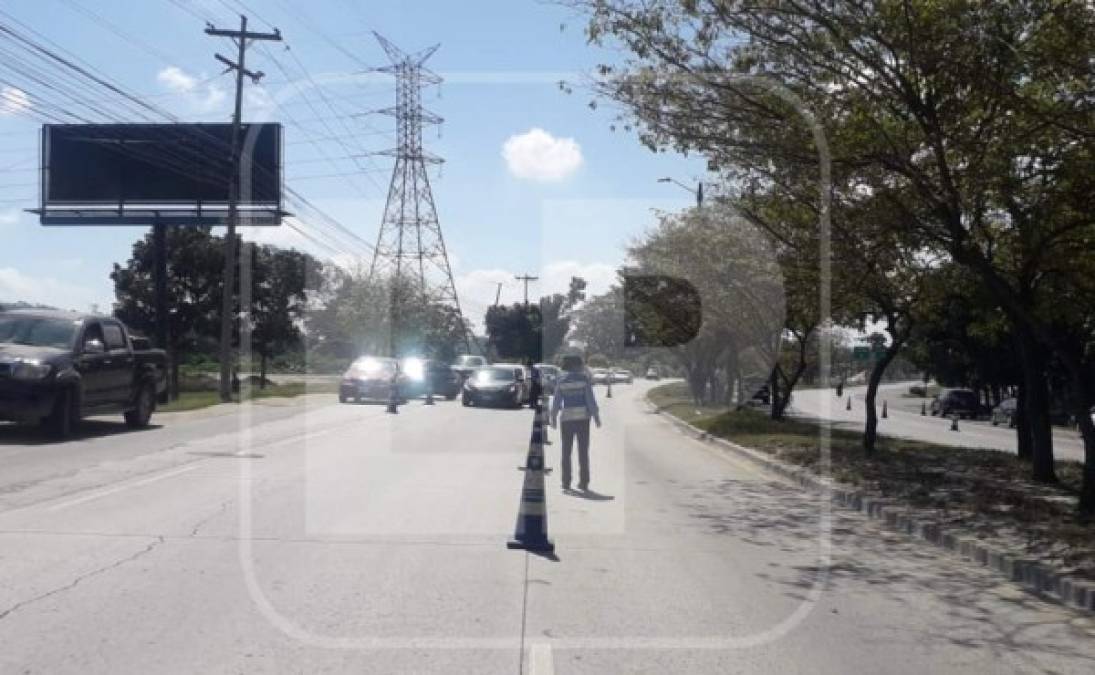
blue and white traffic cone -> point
(531, 530)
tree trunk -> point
(1023, 440)
(173, 385)
(1037, 408)
(1081, 409)
(773, 393)
(870, 431)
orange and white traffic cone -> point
(531, 530)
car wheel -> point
(61, 420)
(139, 417)
(465, 401)
(995, 422)
(342, 398)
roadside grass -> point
(194, 400)
(986, 492)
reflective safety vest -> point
(574, 395)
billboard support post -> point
(241, 38)
(159, 251)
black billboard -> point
(132, 165)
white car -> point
(599, 376)
(621, 375)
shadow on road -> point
(589, 494)
(979, 609)
(28, 434)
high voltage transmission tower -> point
(410, 247)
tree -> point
(972, 121)
(282, 280)
(194, 266)
(514, 332)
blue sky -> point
(565, 199)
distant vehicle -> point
(961, 402)
(762, 396)
(466, 363)
(653, 374)
(57, 367)
(549, 376)
(622, 375)
(599, 376)
(370, 378)
(1004, 413)
(429, 374)
(503, 384)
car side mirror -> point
(94, 346)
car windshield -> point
(38, 331)
(490, 374)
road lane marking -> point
(120, 488)
(540, 661)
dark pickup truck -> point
(57, 367)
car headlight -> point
(30, 370)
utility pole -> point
(525, 278)
(498, 294)
(240, 37)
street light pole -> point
(698, 191)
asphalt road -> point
(905, 421)
(315, 537)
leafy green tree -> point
(195, 262)
(971, 121)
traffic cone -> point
(608, 394)
(849, 406)
(884, 415)
(923, 408)
(954, 422)
(531, 530)
(393, 397)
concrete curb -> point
(1041, 579)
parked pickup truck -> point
(57, 367)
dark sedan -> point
(501, 385)
(424, 375)
(961, 402)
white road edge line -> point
(540, 661)
(106, 493)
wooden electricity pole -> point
(228, 309)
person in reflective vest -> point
(574, 405)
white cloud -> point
(15, 286)
(13, 101)
(176, 79)
(539, 156)
(599, 276)
(202, 96)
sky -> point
(534, 180)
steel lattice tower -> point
(410, 247)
